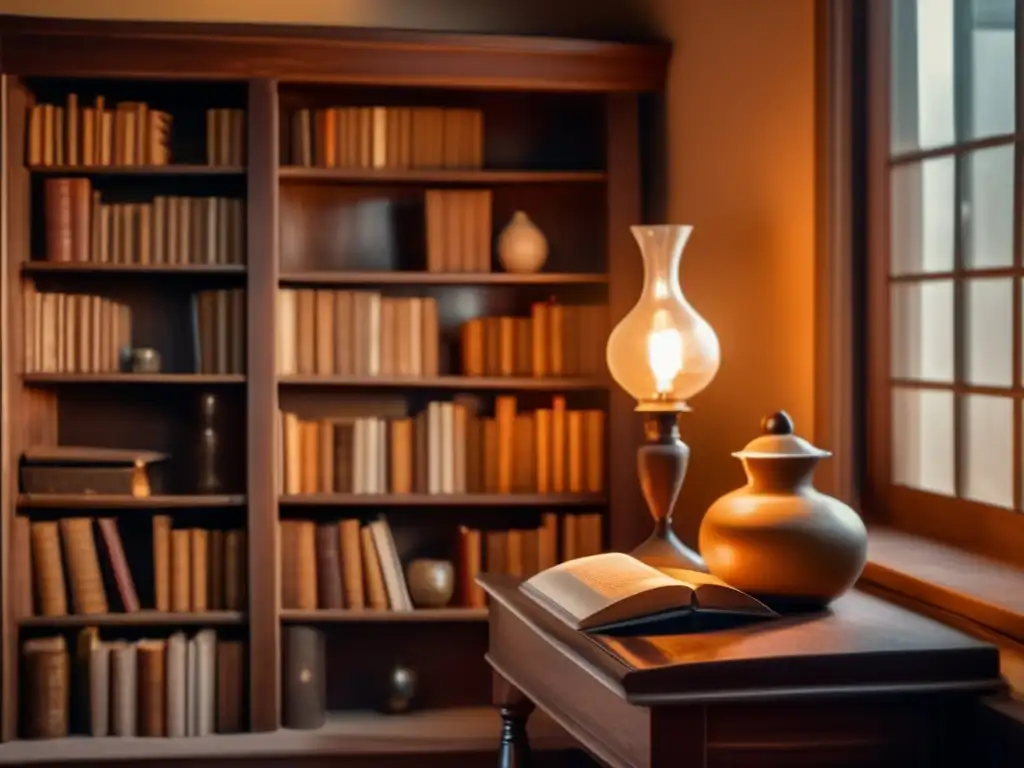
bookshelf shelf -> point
(105, 501)
(144, 618)
(440, 175)
(507, 383)
(197, 379)
(444, 500)
(439, 278)
(48, 267)
(137, 170)
(324, 616)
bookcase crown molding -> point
(32, 46)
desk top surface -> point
(860, 644)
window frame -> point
(985, 529)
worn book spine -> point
(99, 690)
(49, 569)
(176, 683)
(47, 683)
(304, 680)
(162, 562)
(83, 565)
(152, 683)
(328, 573)
(119, 564)
(123, 689)
(230, 686)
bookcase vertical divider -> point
(14, 191)
(262, 238)
(622, 138)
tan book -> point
(613, 589)
(556, 351)
(309, 432)
(287, 332)
(106, 135)
(435, 228)
(84, 574)
(524, 478)
(401, 464)
(51, 599)
(34, 153)
(175, 684)
(351, 564)
(542, 449)
(342, 333)
(471, 594)
(152, 687)
(305, 545)
(574, 433)
(181, 571)
(324, 332)
(379, 128)
(292, 440)
(559, 445)
(72, 134)
(306, 331)
(492, 346)
(594, 447)
(21, 588)
(489, 430)
(377, 598)
(99, 690)
(326, 456)
(199, 539)
(59, 128)
(505, 416)
(506, 346)
(460, 440)
(539, 324)
(431, 337)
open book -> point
(614, 589)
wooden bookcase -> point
(560, 141)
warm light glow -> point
(662, 352)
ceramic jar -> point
(778, 538)
(431, 582)
(522, 247)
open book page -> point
(600, 589)
(712, 593)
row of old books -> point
(458, 227)
(179, 686)
(126, 133)
(194, 570)
(220, 328)
(387, 137)
(356, 333)
(555, 340)
(74, 333)
(80, 227)
(225, 137)
(448, 448)
(341, 565)
(522, 552)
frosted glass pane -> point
(988, 207)
(922, 439)
(922, 330)
(922, 206)
(989, 331)
(988, 449)
(992, 71)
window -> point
(945, 272)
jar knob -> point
(778, 423)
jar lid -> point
(779, 442)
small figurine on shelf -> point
(522, 247)
(208, 446)
(399, 690)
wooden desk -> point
(867, 684)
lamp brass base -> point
(662, 464)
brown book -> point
(505, 416)
(471, 594)
(323, 336)
(435, 221)
(118, 564)
(342, 333)
(523, 456)
(594, 449)
(328, 567)
(181, 571)
(472, 342)
(59, 208)
(574, 445)
(236, 577)
(215, 571)
(304, 678)
(556, 345)
(47, 683)
(377, 597)
(541, 355)
(162, 562)
(492, 346)
(489, 440)
(84, 575)
(305, 548)
(152, 687)
(431, 337)
(199, 541)
(514, 565)
(387, 338)
(524, 346)
(326, 455)
(559, 443)
(51, 599)
(21, 554)
(496, 543)
(99, 690)
(351, 564)
(306, 331)
(542, 449)
(231, 675)
(310, 447)
(288, 556)
(401, 444)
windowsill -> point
(980, 596)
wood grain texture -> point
(191, 379)
(103, 501)
(34, 46)
(445, 500)
(145, 618)
(870, 684)
(262, 209)
(50, 267)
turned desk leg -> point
(515, 710)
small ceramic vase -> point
(778, 538)
(522, 248)
(431, 582)
(401, 687)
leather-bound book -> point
(51, 599)
(470, 555)
(119, 564)
(206, 681)
(305, 547)
(328, 572)
(230, 686)
(152, 694)
(123, 689)
(83, 565)
(198, 538)
(351, 564)
(47, 688)
(235, 577)
(87, 639)
(162, 562)
(304, 683)
(81, 201)
(181, 571)
(215, 571)
(58, 204)
(175, 684)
